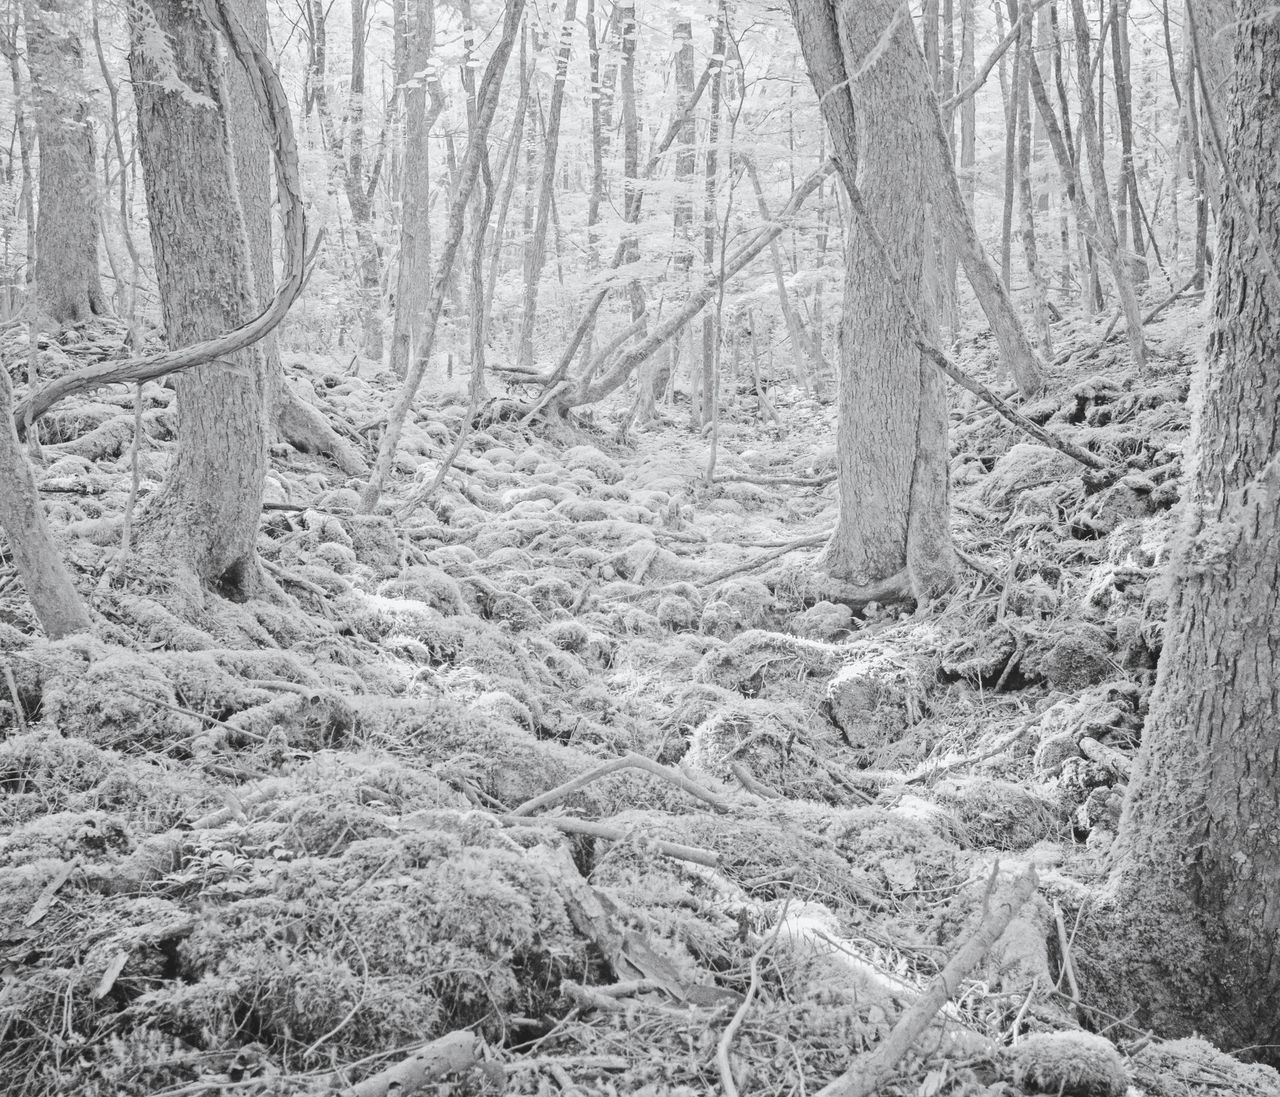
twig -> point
(192, 712)
(19, 716)
(693, 854)
(767, 481)
(630, 760)
(869, 1072)
(731, 1029)
(760, 561)
(930, 350)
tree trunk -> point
(204, 522)
(1026, 207)
(709, 213)
(1198, 856)
(68, 284)
(413, 275)
(892, 420)
(1010, 144)
(685, 155)
(536, 254)
(469, 170)
(35, 555)
(1104, 222)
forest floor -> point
(563, 784)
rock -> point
(1077, 660)
(1052, 754)
(1069, 1064)
(874, 698)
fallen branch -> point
(693, 854)
(869, 1071)
(629, 760)
(270, 93)
(766, 481)
(772, 554)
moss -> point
(65, 835)
(1070, 1064)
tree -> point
(1194, 929)
(48, 585)
(68, 284)
(204, 522)
(892, 534)
(414, 270)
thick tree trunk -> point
(892, 421)
(35, 555)
(1198, 857)
(205, 520)
(68, 284)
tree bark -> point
(47, 582)
(1104, 222)
(469, 170)
(892, 406)
(709, 332)
(413, 275)
(68, 284)
(204, 522)
(536, 255)
(1198, 856)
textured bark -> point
(205, 520)
(686, 157)
(413, 276)
(35, 555)
(1026, 207)
(468, 171)
(892, 419)
(68, 284)
(536, 255)
(709, 215)
(1198, 855)
(1104, 221)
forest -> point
(659, 547)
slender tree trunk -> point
(536, 254)
(204, 522)
(597, 136)
(802, 344)
(1026, 206)
(968, 111)
(1129, 206)
(1010, 146)
(469, 170)
(1194, 934)
(68, 284)
(413, 275)
(1104, 221)
(685, 154)
(35, 554)
(709, 213)
(510, 170)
